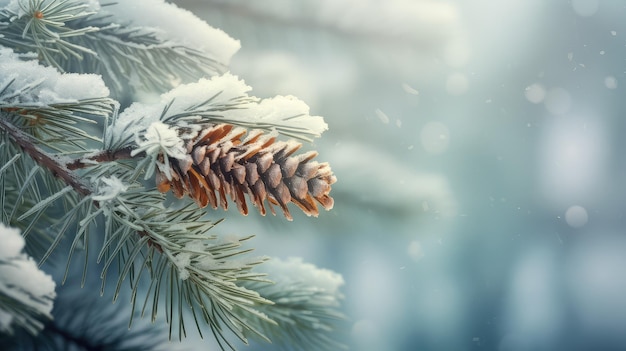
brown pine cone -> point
(221, 165)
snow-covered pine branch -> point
(195, 138)
(26, 293)
(220, 99)
(137, 46)
(73, 170)
(305, 299)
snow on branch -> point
(221, 99)
(173, 24)
(26, 293)
(137, 46)
(306, 305)
(29, 83)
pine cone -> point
(221, 164)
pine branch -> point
(192, 269)
(306, 301)
(26, 293)
(85, 322)
(53, 164)
(52, 153)
(75, 36)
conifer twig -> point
(102, 156)
(45, 159)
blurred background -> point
(479, 202)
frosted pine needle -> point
(225, 165)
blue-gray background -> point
(480, 200)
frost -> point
(21, 282)
(158, 139)
(110, 189)
(45, 85)
(182, 261)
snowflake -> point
(161, 139)
(110, 189)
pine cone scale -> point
(221, 165)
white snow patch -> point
(21, 280)
(175, 25)
(49, 85)
(159, 138)
(182, 261)
(293, 269)
(12, 242)
(229, 95)
(110, 189)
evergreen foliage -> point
(87, 159)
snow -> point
(159, 138)
(535, 93)
(610, 82)
(294, 270)
(287, 114)
(286, 111)
(12, 242)
(382, 116)
(170, 22)
(409, 89)
(110, 189)
(20, 278)
(576, 216)
(51, 86)
(175, 25)
(182, 261)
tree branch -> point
(102, 156)
(51, 162)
